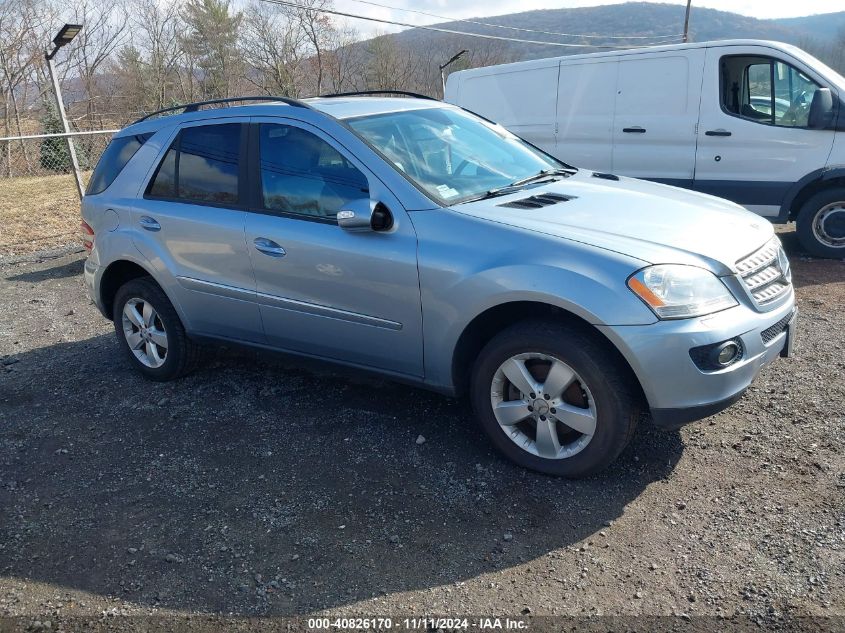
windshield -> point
(820, 67)
(450, 154)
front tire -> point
(821, 223)
(150, 332)
(554, 399)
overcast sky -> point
(477, 8)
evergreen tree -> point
(55, 155)
(54, 151)
(211, 41)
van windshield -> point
(450, 154)
(820, 67)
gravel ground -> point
(259, 486)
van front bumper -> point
(680, 391)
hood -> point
(655, 223)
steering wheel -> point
(798, 110)
(461, 166)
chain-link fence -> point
(48, 154)
(39, 202)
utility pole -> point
(65, 35)
(454, 58)
(686, 22)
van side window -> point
(302, 174)
(765, 90)
(201, 165)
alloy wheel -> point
(543, 405)
(145, 332)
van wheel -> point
(554, 399)
(150, 331)
(821, 223)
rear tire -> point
(821, 223)
(150, 332)
(599, 396)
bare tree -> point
(274, 47)
(344, 61)
(390, 65)
(157, 25)
(133, 85)
(20, 28)
(146, 72)
(104, 33)
(319, 31)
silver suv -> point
(415, 239)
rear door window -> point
(201, 165)
(113, 160)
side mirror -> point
(821, 109)
(364, 215)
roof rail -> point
(194, 107)
(358, 93)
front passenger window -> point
(304, 175)
(766, 90)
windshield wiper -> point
(541, 175)
(516, 185)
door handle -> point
(634, 130)
(148, 223)
(268, 247)
(717, 133)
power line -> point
(516, 28)
(443, 30)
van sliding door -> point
(585, 101)
(521, 100)
(657, 105)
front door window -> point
(766, 90)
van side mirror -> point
(364, 214)
(821, 109)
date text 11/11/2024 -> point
(417, 624)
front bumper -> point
(677, 390)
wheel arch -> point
(493, 320)
(114, 276)
(809, 186)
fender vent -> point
(538, 201)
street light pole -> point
(454, 58)
(686, 21)
(65, 35)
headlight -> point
(674, 291)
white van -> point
(760, 123)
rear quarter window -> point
(113, 160)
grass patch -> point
(38, 213)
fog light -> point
(727, 353)
(717, 356)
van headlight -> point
(675, 291)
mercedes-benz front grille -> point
(766, 273)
